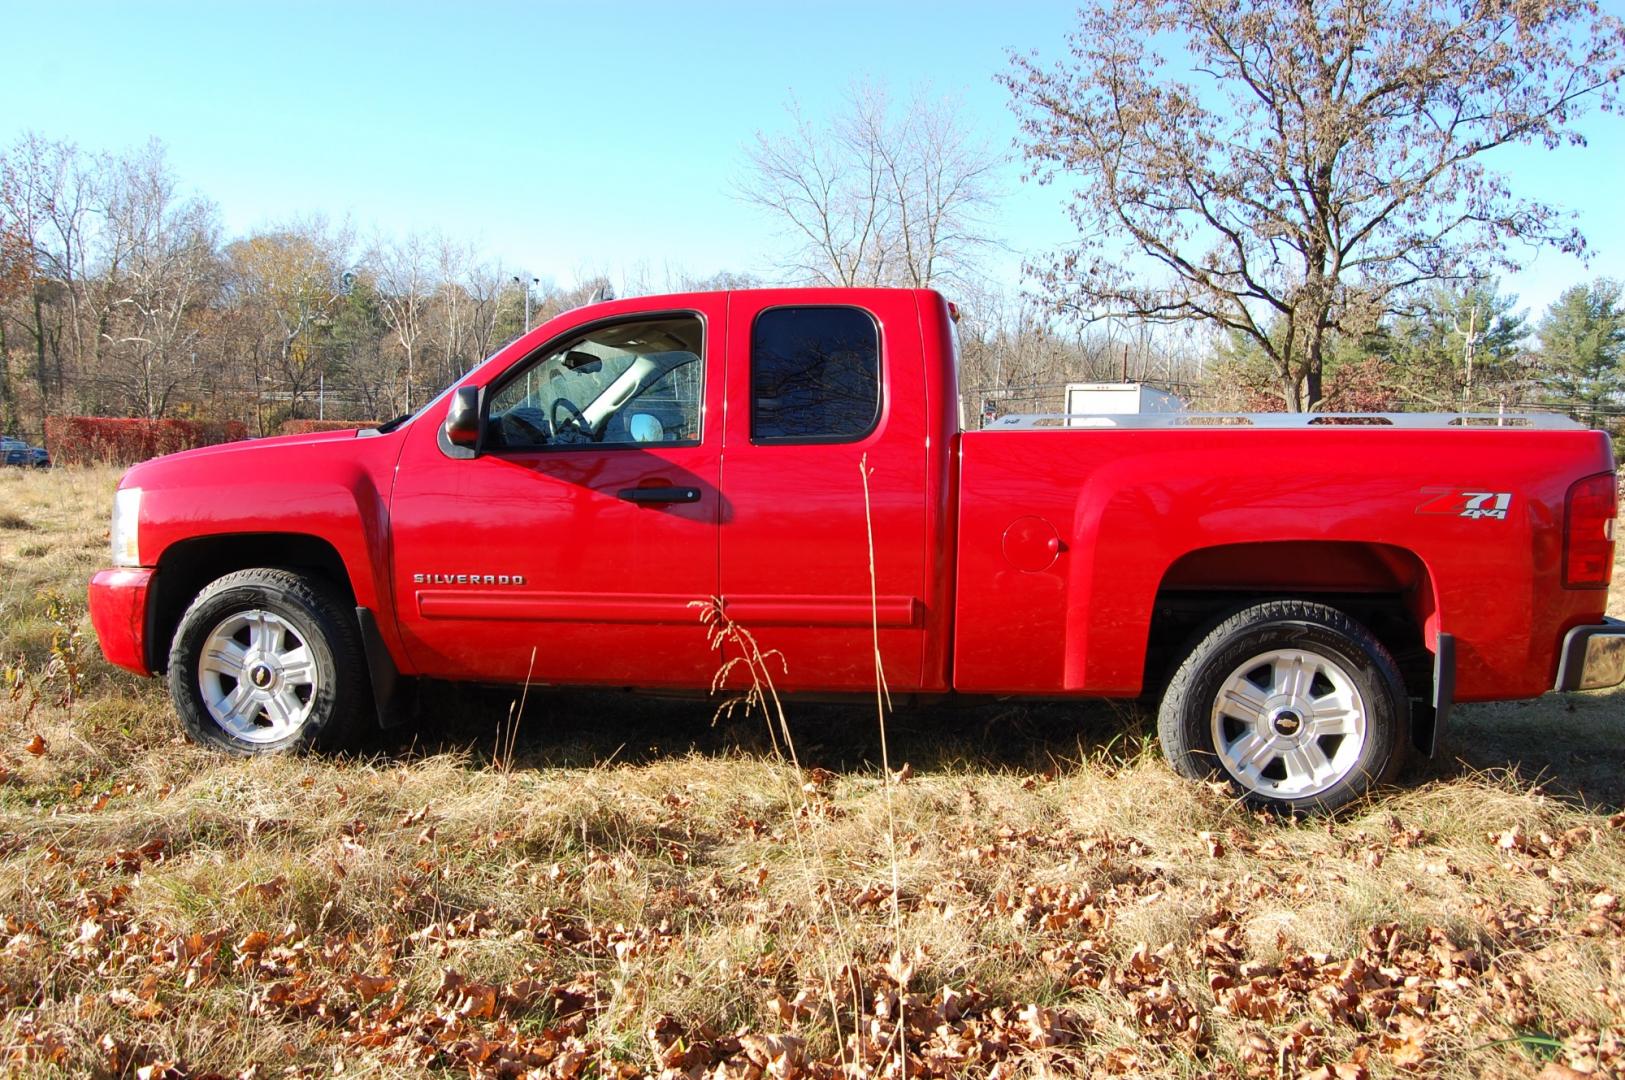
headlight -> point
(126, 527)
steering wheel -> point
(520, 429)
(573, 427)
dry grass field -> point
(637, 890)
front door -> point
(571, 549)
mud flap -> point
(388, 685)
(1429, 726)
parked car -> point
(19, 453)
(1306, 597)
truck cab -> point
(659, 454)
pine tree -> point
(1582, 346)
(1459, 346)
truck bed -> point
(1147, 510)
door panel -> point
(558, 563)
(794, 540)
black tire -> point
(335, 705)
(1275, 638)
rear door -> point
(821, 385)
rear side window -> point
(814, 375)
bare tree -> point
(161, 270)
(287, 280)
(876, 196)
(1307, 164)
(16, 271)
(405, 273)
(939, 180)
(50, 191)
(1016, 357)
(492, 298)
(452, 306)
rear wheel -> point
(1295, 704)
(267, 661)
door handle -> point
(654, 496)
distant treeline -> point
(120, 296)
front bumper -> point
(118, 611)
(1593, 657)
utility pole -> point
(1467, 351)
(526, 287)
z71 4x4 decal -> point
(1467, 504)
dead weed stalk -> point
(508, 733)
(899, 968)
(761, 694)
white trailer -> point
(1086, 400)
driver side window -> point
(623, 384)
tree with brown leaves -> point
(1302, 167)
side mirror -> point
(463, 418)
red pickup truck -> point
(1308, 595)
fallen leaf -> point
(253, 944)
(780, 1054)
(265, 890)
(1554, 1071)
(367, 987)
(134, 1004)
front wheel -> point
(267, 661)
(1296, 705)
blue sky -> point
(572, 138)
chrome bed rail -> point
(1439, 421)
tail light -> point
(1588, 532)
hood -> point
(273, 452)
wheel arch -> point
(186, 566)
(1387, 588)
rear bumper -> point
(1593, 657)
(118, 611)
